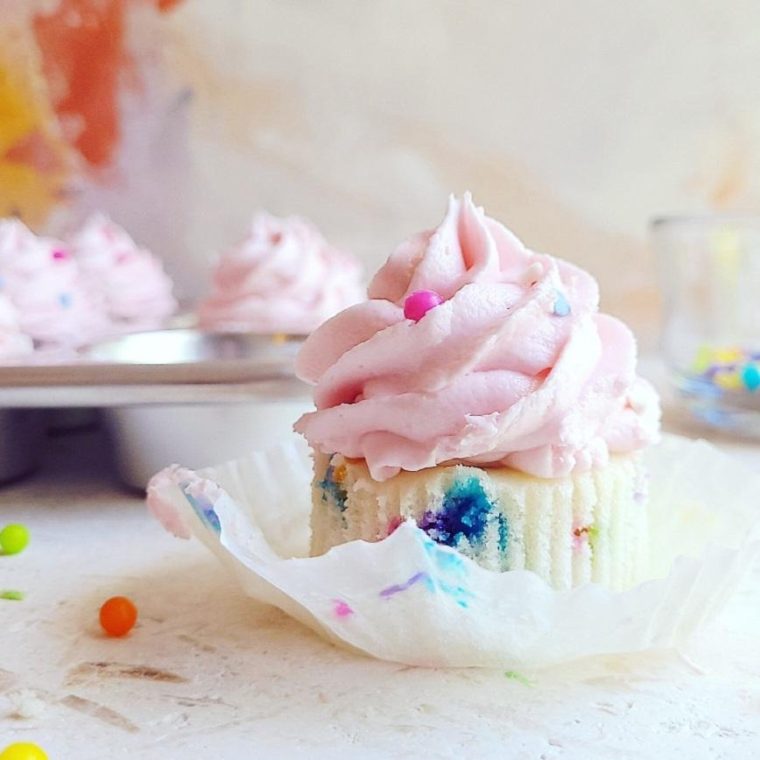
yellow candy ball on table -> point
(23, 751)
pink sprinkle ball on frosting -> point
(419, 303)
(60, 255)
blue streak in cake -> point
(465, 513)
(332, 488)
(503, 528)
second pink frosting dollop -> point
(284, 277)
(134, 290)
(516, 367)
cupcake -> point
(130, 282)
(44, 284)
(14, 345)
(282, 278)
(480, 393)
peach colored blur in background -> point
(573, 123)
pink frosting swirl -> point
(44, 283)
(284, 277)
(514, 368)
(130, 281)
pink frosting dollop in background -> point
(515, 368)
(45, 285)
(14, 344)
(129, 281)
(282, 278)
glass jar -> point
(710, 273)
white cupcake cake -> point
(480, 393)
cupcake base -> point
(586, 527)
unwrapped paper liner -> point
(409, 600)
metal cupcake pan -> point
(138, 362)
(169, 395)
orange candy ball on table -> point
(118, 616)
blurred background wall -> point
(573, 122)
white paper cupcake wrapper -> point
(409, 600)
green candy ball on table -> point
(14, 538)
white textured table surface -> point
(208, 673)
